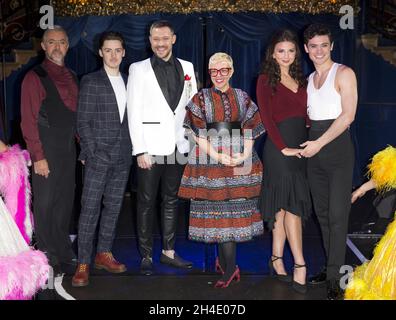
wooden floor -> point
(169, 283)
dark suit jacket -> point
(103, 138)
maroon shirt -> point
(33, 94)
(278, 107)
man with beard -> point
(48, 111)
(159, 89)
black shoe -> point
(280, 277)
(57, 270)
(300, 288)
(334, 292)
(318, 279)
(177, 261)
(146, 266)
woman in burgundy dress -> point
(285, 199)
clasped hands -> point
(310, 148)
(231, 161)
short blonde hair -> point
(219, 57)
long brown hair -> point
(271, 68)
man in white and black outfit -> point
(159, 89)
(332, 101)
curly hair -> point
(271, 68)
(317, 29)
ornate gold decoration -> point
(78, 8)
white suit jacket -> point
(153, 126)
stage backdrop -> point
(244, 36)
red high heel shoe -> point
(235, 276)
(218, 267)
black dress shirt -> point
(170, 78)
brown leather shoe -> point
(80, 278)
(105, 260)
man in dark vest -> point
(106, 150)
(48, 111)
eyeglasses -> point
(222, 71)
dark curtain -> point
(84, 32)
(244, 36)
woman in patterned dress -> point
(223, 175)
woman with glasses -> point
(223, 176)
(285, 198)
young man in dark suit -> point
(102, 125)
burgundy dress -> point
(285, 185)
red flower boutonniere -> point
(187, 79)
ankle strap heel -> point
(276, 258)
(298, 287)
(273, 273)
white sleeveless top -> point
(324, 103)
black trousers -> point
(167, 176)
(53, 199)
(330, 178)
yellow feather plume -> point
(382, 169)
(356, 289)
(376, 279)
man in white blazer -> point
(159, 89)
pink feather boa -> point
(22, 275)
(15, 187)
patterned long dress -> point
(224, 199)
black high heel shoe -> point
(273, 273)
(300, 288)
